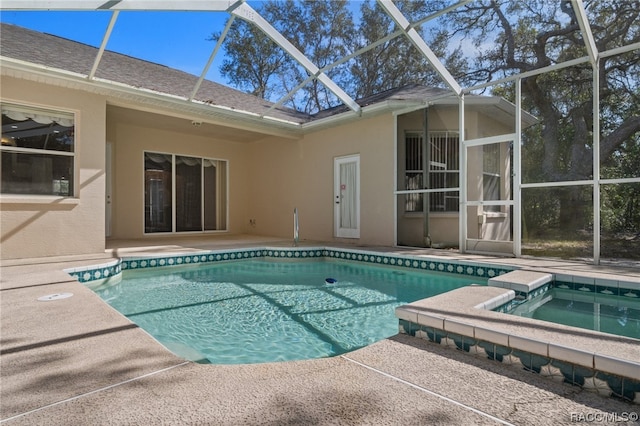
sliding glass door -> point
(184, 194)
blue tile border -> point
(96, 272)
(432, 264)
(619, 387)
(583, 292)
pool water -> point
(257, 311)
(609, 314)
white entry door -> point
(346, 196)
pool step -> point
(521, 281)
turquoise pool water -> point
(255, 311)
(610, 314)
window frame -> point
(173, 186)
(54, 112)
(451, 137)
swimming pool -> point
(254, 310)
(606, 313)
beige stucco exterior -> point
(299, 174)
(35, 226)
(268, 176)
(129, 141)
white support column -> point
(517, 174)
(395, 180)
(245, 12)
(596, 163)
(592, 51)
(462, 184)
(420, 44)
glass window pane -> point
(38, 174)
(444, 157)
(157, 192)
(413, 202)
(215, 198)
(188, 194)
(37, 129)
(413, 171)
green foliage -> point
(256, 64)
(325, 32)
(480, 41)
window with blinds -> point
(413, 171)
(37, 153)
(444, 154)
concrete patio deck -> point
(76, 361)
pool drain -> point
(55, 296)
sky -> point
(177, 39)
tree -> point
(325, 32)
(319, 29)
(252, 60)
(538, 33)
(396, 62)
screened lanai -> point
(561, 178)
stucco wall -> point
(290, 174)
(39, 226)
(129, 142)
(267, 179)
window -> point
(37, 151)
(184, 194)
(443, 158)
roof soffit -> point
(147, 100)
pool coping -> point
(464, 319)
(613, 370)
(75, 360)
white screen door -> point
(347, 196)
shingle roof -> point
(57, 52)
(410, 92)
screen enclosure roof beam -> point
(244, 11)
(182, 5)
(415, 38)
